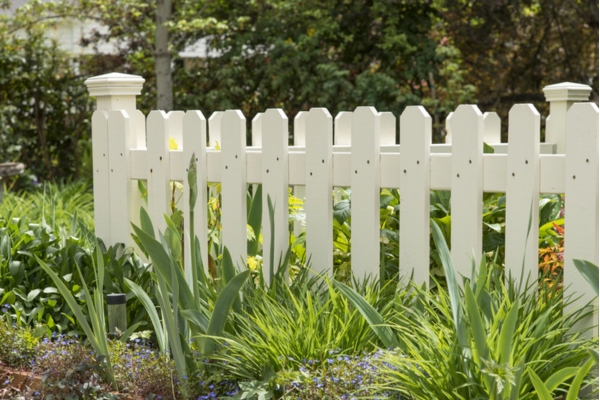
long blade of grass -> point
(453, 288)
(541, 390)
(222, 306)
(375, 320)
(589, 272)
(151, 310)
(560, 376)
(506, 334)
(578, 380)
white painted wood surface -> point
(159, 166)
(233, 185)
(194, 145)
(467, 188)
(365, 192)
(319, 187)
(359, 137)
(387, 134)
(581, 199)
(342, 128)
(522, 193)
(214, 129)
(120, 126)
(275, 186)
(101, 175)
(300, 140)
(491, 128)
(415, 136)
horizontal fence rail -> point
(357, 150)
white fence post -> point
(120, 126)
(561, 96)
(365, 192)
(415, 136)
(581, 202)
(233, 186)
(522, 192)
(113, 92)
(319, 186)
(275, 132)
(467, 188)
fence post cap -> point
(568, 91)
(115, 84)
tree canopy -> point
(337, 54)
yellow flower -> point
(252, 263)
(173, 144)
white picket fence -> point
(356, 150)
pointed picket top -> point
(388, 128)
(257, 129)
(581, 204)
(233, 185)
(522, 191)
(567, 91)
(194, 142)
(159, 168)
(275, 186)
(176, 127)
(491, 128)
(448, 138)
(300, 128)
(319, 186)
(365, 181)
(342, 128)
(467, 187)
(214, 128)
(415, 139)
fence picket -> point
(491, 128)
(275, 186)
(120, 126)
(415, 136)
(233, 185)
(101, 175)
(467, 187)
(342, 128)
(214, 128)
(581, 199)
(387, 134)
(319, 186)
(365, 192)
(299, 140)
(194, 142)
(257, 130)
(159, 168)
(522, 192)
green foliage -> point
(67, 207)
(96, 333)
(44, 107)
(32, 295)
(480, 342)
(17, 344)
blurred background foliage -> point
(294, 55)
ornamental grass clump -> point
(494, 339)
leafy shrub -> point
(34, 298)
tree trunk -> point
(164, 80)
